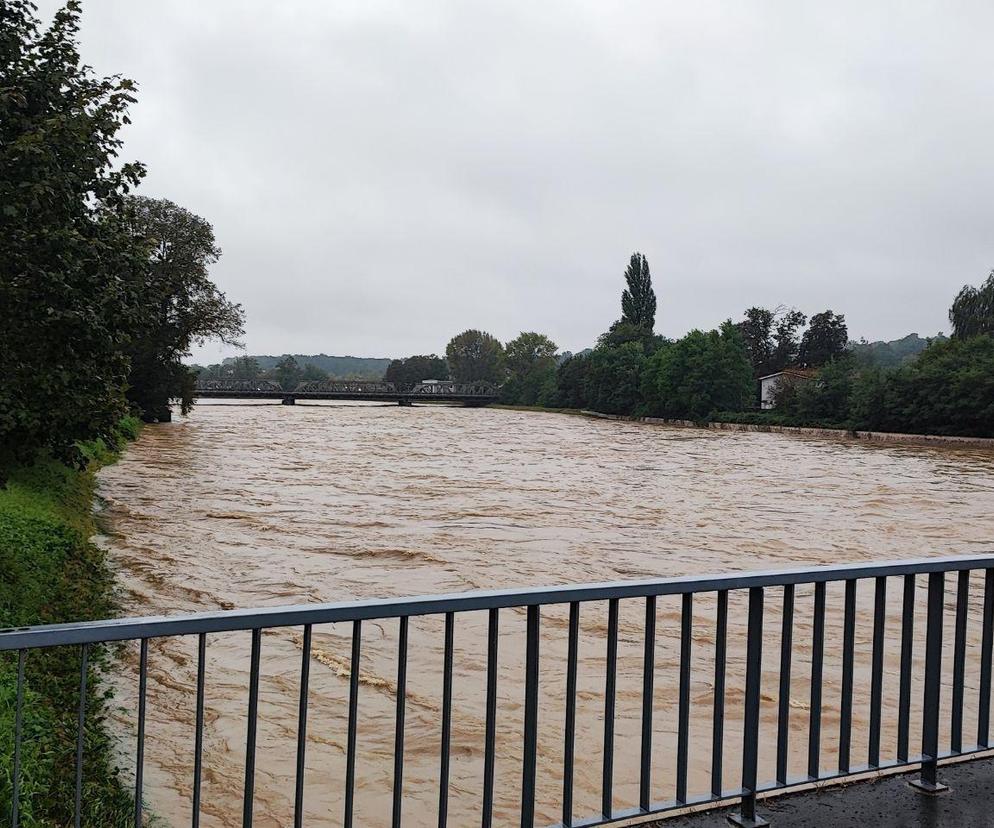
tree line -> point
(942, 386)
(102, 291)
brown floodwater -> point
(261, 505)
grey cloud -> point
(382, 175)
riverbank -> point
(836, 433)
(50, 572)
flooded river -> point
(261, 505)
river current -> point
(262, 505)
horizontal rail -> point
(124, 629)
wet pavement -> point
(889, 802)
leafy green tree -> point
(824, 400)
(70, 267)
(786, 343)
(824, 340)
(613, 379)
(757, 336)
(623, 331)
(972, 312)
(475, 356)
(530, 360)
(180, 304)
(415, 369)
(571, 382)
(311, 373)
(245, 368)
(287, 373)
(702, 373)
(638, 301)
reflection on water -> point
(255, 505)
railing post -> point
(747, 817)
(933, 675)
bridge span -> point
(472, 394)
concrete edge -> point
(834, 433)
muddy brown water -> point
(262, 505)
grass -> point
(50, 573)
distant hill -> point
(337, 367)
(894, 353)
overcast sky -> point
(383, 175)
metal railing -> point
(755, 586)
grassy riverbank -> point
(50, 573)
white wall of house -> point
(768, 387)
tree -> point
(785, 340)
(571, 382)
(415, 369)
(757, 336)
(972, 312)
(287, 373)
(613, 379)
(638, 301)
(180, 304)
(475, 356)
(824, 340)
(623, 331)
(246, 368)
(530, 360)
(703, 373)
(70, 268)
(311, 373)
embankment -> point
(868, 436)
(50, 573)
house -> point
(770, 385)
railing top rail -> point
(125, 629)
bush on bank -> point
(50, 573)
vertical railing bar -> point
(570, 730)
(443, 774)
(877, 669)
(353, 721)
(15, 795)
(198, 748)
(848, 657)
(140, 755)
(718, 711)
(399, 722)
(817, 665)
(750, 727)
(610, 686)
(959, 660)
(904, 691)
(683, 721)
(80, 734)
(531, 719)
(305, 675)
(986, 646)
(786, 659)
(648, 676)
(248, 800)
(490, 740)
(933, 677)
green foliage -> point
(287, 373)
(613, 378)
(180, 305)
(70, 268)
(417, 368)
(699, 374)
(475, 356)
(770, 338)
(530, 360)
(50, 573)
(825, 399)
(638, 301)
(336, 367)
(893, 353)
(972, 311)
(570, 385)
(824, 340)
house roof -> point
(800, 373)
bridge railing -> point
(957, 593)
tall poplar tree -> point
(638, 302)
